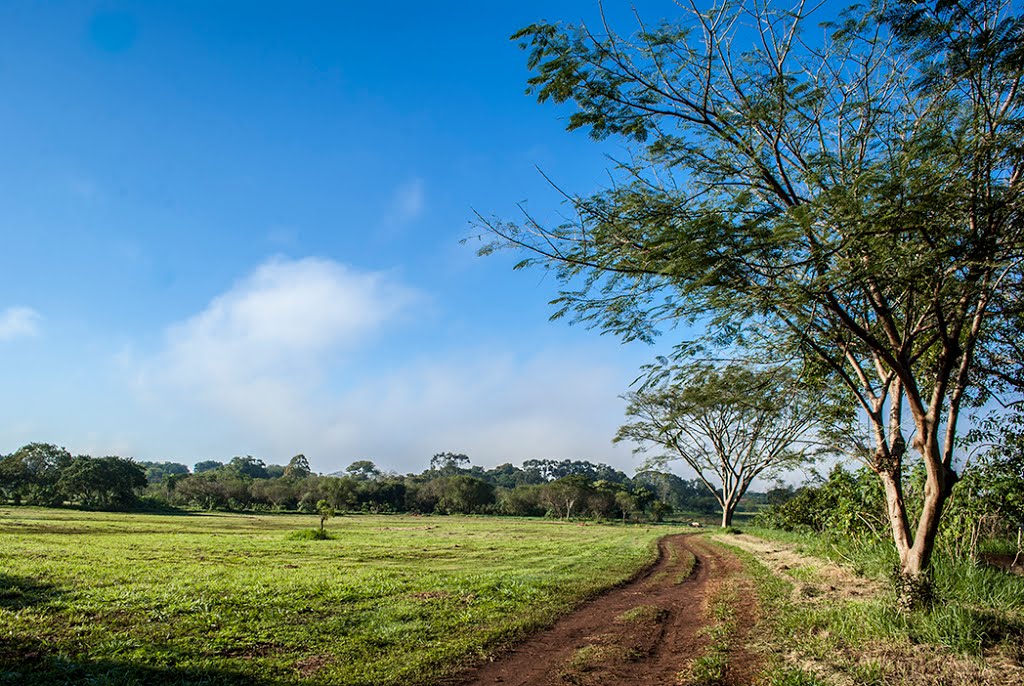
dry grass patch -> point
(811, 577)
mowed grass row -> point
(228, 598)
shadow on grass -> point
(27, 663)
(19, 592)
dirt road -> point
(654, 630)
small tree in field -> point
(730, 425)
(325, 510)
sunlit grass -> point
(227, 598)
(868, 641)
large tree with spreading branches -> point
(844, 191)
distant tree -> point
(342, 492)
(103, 482)
(156, 472)
(363, 470)
(205, 466)
(508, 476)
(627, 504)
(549, 470)
(567, 495)
(36, 469)
(525, 500)
(14, 479)
(464, 494)
(208, 489)
(248, 467)
(297, 468)
(449, 463)
(730, 425)
(385, 494)
(279, 494)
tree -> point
(156, 472)
(34, 470)
(206, 466)
(449, 463)
(297, 468)
(363, 470)
(14, 479)
(325, 511)
(102, 482)
(731, 425)
(566, 495)
(854, 200)
(247, 467)
(462, 494)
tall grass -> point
(975, 608)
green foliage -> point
(449, 463)
(988, 501)
(850, 504)
(104, 483)
(297, 468)
(363, 470)
(320, 534)
(325, 511)
(43, 474)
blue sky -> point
(234, 228)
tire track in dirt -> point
(644, 633)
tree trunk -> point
(727, 512)
(913, 582)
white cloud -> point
(286, 314)
(257, 352)
(17, 322)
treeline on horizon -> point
(46, 475)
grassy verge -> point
(225, 599)
(971, 636)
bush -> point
(310, 535)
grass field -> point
(226, 598)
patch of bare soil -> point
(811, 577)
(645, 633)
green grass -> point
(642, 614)
(234, 599)
(709, 668)
(979, 612)
(686, 568)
